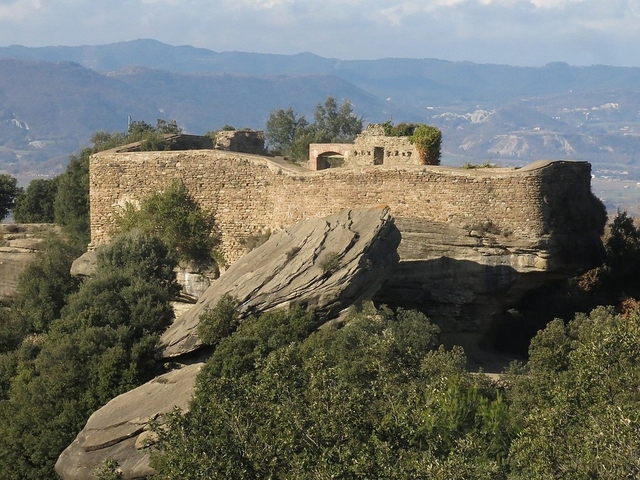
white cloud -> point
(18, 10)
(525, 32)
(258, 4)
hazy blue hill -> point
(49, 110)
(419, 81)
(53, 98)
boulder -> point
(120, 430)
(326, 264)
(85, 265)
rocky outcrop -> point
(463, 278)
(120, 430)
(19, 244)
(85, 265)
(324, 263)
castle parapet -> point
(249, 194)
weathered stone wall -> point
(247, 141)
(371, 147)
(249, 194)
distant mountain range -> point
(53, 98)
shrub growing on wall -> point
(175, 217)
(427, 139)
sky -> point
(514, 32)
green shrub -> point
(175, 217)
(219, 322)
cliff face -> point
(463, 279)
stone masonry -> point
(250, 194)
(371, 147)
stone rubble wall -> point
(392, 151)
(247, 141)
(250, 194)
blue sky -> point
(515, 32)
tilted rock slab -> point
(118, 430)
(326, 264)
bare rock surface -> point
(85, 265)
(462, 278)
(119, 430)
(327, 264)
(324, 263)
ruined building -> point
(474, 240)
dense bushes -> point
(576, 403)
(427, 139)
(79, 350)
(374, 399)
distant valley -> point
(52, 99)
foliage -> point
(290, 134)
(219, 322)
(35, 205)
(576, 408)
(471, 166)
(330, 263)
(370, 400)
(9, 190)
(283, 126)
(336, 124)
(46, 283)
(71, 204)
(616, 278)
(108, 470)
(427, 139)
(175, 217)
(103, 344)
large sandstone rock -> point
(324, 263)
(85, 265)
(119, 430)
(463, 279)
(327, 264)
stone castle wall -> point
(249, 194)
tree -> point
(104, 343)
(175, 217)
(291, 134)
(9, 190)
(336, 124)
(36, 204)
(46, 283)
(71, 206)
(282, 128)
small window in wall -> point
(330, 160)
(378, 155)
